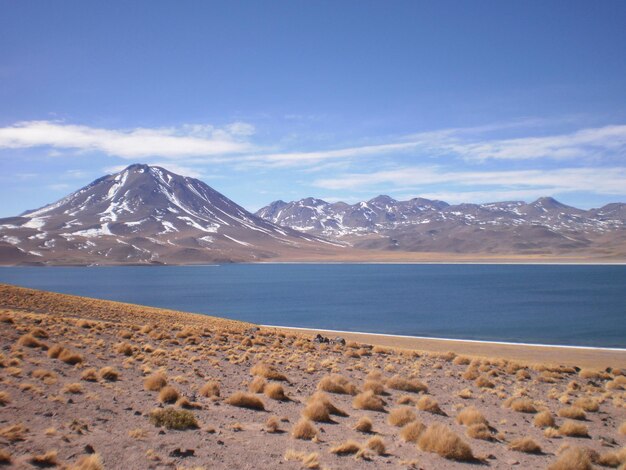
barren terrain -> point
(94, 384)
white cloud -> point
(610, 181)
(187, 141)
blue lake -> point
(551, 304)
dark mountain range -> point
(145, 214)
(544, 226)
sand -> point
(56, 404)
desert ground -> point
(89, 384)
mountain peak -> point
(382, 199)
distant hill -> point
(544, 226)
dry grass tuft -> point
(325, 399)
(88, 462)
(172, 418)
(470, 415)
(613, 459)
(304, 430)
(89, 375)
(70, 357)
(49, 459)
(572, 459)
(375, 386)
(364, 424)
(14, 432)
(257, 385)
(368, 401)
(484, 382)
(412, 431)
(573, 429)
(275, 392)
(587, 404)
(479, 431)
(377, 445)
(622, 429)
(307, 460)
(74, 388)
(155, 382)
(29, 341)
(5, 457)
(441, 440)
(109, 373)
(5, 398)
(210, 389)
(272, 425)
(544, 419)
(405, 385)
(401, 416)
(245, 400)
(347, 448)
(336, 383)
(124, 348)
(316, 411)
(430, 405)
(572, 412)
(523, 405)
(267, 371)
(525, 444)
(168, 394)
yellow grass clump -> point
(168, 394)
(124, 348)
(613, 459)
(572, 459)
(310, 460)
(272, 425)
(48, 459)
(523, 405)
(109, 373)
(316, 411)
(525, 444)
(88, 462)
(328, 404)
(484, 382)
(70, 357)
(401, 416)
(587, 404)
(430, 405)
(470, 415)
(89, 375)
(5, 457)
(412, 431)
(622, 429)
(572, 412)
(573, 429)
(257, 385)
(29, 341)
(14, 432)
(155, 382)
(172, 418)
(377, 445)
(275, 392)
(5, 398)
(245, 400)
(336, 383)
(267, 371)
(364, 424)
(349, 447)
(544, 419)
(210, 389)
(368, 401)
(398, 382)
(439, 439)
(479, 431)
(304, 430)
(74, 388)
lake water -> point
(550, 304)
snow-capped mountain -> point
(512, 227)
(145, 214)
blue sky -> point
(460, 101)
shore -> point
(87, 384)
(577, 356)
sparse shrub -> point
(336, 383)
(439, 439)
(267, 371)
(245, 400)
(523, 405)
(257, 385)
(401, 416)
(572, 412)
(377, 445)
(543, 419)
(479, 431)
(89, 375)
(168, 394)
(155, 382)
(49, 459)
(304, 430)
(368, 401)
(400, 383)
(412, 431)
(364, 424)
(470, 415)
(307, 460)
(430, 405)
(210, 389)
(109, 373)
(573, 429)
(572, 459)
(525, 444)
(347, 448)
(172, 418)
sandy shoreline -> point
(597, 358)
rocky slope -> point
(145, 214)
